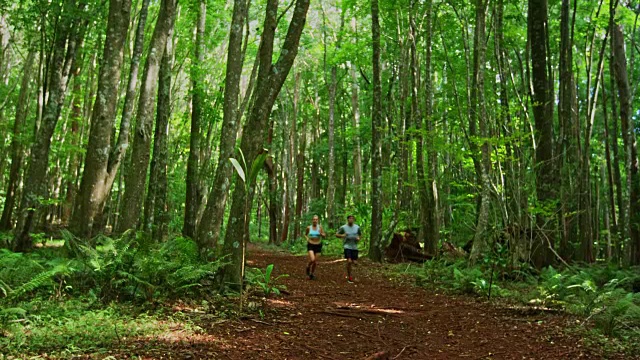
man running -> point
(350, 233)
(314, 235)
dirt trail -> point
(329, 318)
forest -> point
(160, 161)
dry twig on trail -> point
(400, 353)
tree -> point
(136, 173)
(209, 230)
(432, 233)
(542, 97)
(92, 186)
(193, 194)
(17, 143)
(69, 36)
(375, 252)
(478, 114)
(270, 79)
(155, 213)
(628, 135)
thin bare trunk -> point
(18, 143)
(70, 34)
(209, 227)
(193, 196)
(92, 186)
(375, 250)
(136, 172)
(156, 217)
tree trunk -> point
(270, 79)
(136, 173)
(331, 186)
(104, 112)
(99, 174)
(567, 114)
(18, 141)
(299, 159)
(479, 115)
(273, 191)
(193, 194)
(156, 217)
(209, 227)
(610, 213)
(357, 156)
(432, 231)
(70, 34)
(75, 139)
(542, 97)
(633, 182)
(623, 222)
(375, 250)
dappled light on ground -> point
(373, 318)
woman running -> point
(314, 235)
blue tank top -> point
(314, 233)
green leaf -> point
(257, 165)
(238, 167)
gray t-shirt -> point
(352, 233)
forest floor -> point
(377, 317)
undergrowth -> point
(601, 296)
(78, 298)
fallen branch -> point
(400, 353)
(340, 314)
(261, 322)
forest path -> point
(373, 318)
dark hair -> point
(350, 216)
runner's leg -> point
(315, 263)
(312, 259)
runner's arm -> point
(359, 234)
(340, 234)
(306, 234)
(322, 233)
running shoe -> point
(350, 279)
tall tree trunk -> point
(331, 186)
(270, 79)
(98, 177)
(156, 217)
(568, 116)
(357, 152)
(588, 227)
(136, 173)
(403, 190)
(209, 227)
(273, 191)
(623, 228)
(102, 122)
(75, 138)
(193, 163)
(418, 121)
(69, 36)
(479, 116)
(18, 141)
(375, 250)
(542, 98)
(299, 159)
(432, 231)
(624, 94)
(610, 213)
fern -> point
(39, 280)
